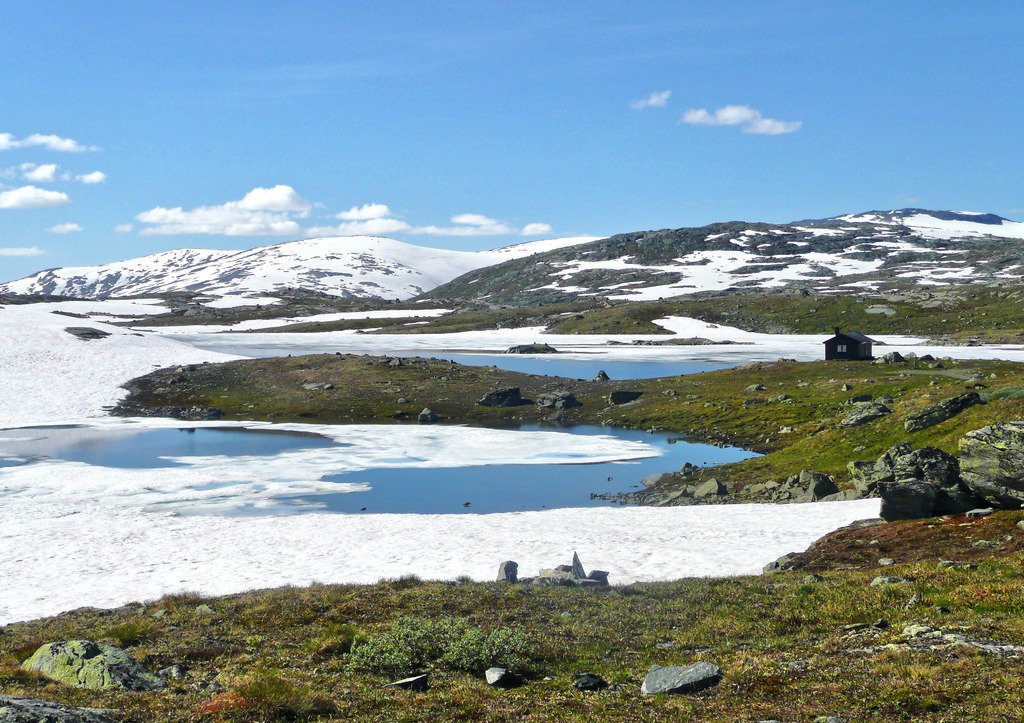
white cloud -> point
(41, 140)
(369, 227)
(535, 229)
(32, 197)
(467, 224)
(65, 228)
(654, 100)
(365, 212)
(22, 251)
(45, 173)
(749, 119)
(91, 178)
(261, 212)
(124, 228)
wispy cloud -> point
(374, 219)
(65, 228)
(261, 212)
(22, 251)
(92, 178)
(45, 173)
(124, 228)
(657, 99)
(748, 119)
(32, 197)
(42, 140)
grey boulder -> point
(30, 710)
(85, 664)
(507, 397)
(940, 411)
(681, 680)
(992, 463)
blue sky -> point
(476, 122)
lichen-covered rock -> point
(941, 411)
(30, 710)
(86, 664)
(557, 400)
(865, 413)
(992, 463)
(711, 488)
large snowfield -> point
(74, 534)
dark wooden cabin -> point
(848, 345)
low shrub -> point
(130, 633)
(411, 644)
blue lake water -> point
(442, 490)
(558, 366)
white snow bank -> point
(47, 375)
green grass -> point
(780, 643)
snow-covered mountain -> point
(362, 266)
(868, 250)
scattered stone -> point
(31, 710)
(507, 397)
(417, 683)
(602, 376)
(668, 645)
(508, 571)
(173, 672)
(786, 562)
(893, 357)
(532, 349)
(553, 577)
(986, 544)
(87, 333)
(85, 664)
(598, 576)
(941, 411)
(811, 579)
(886, 562)
(502, 678)
(589, 682)
(681, 680)
(755, 388)
(954, 565)
(427, 416)
(624, 396)
(203, 610)
(557, 400)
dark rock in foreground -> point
(502, 678)
(508, 571)
(624, 396)
(87, 333)
(589, 682)
(681, 680)
(30, 710)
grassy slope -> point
(779, 641)
(703, 407)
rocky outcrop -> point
(816, 485)
(86, 664)
(30, 710)
(992, 463)
(507, 397)
(572, 575)
(914, 484)
(893, 357)
(941, 411)
(427, 416)
(87, 333)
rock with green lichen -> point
(85, 664)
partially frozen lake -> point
(578, 461)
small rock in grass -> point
(668, 645)
(589, 682)
(173, 672)
(980, 512)
(883, 580)
(811, 579)
(886, 561)
(681, 680)
(203, 610)
(427, 416)
(502, 678)
(955, 565)
(986, 544)
(418, 683)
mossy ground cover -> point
(799, 432)
(293, 653)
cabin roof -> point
(852, 335)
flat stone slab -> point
(31, 710)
